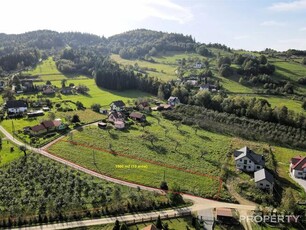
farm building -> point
(138, 117)
(119, 124)
(36, 113)
(38, 130)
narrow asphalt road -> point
(199, 203)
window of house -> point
(249, 161)
(258, 167)
(261, 184)
(249, 167)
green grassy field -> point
(98, 95)
(162, 71)
(48, 71)
(6, 156)
(131, 143)
(188, 155)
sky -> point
(239, 24)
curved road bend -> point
(198, 202)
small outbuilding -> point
(138, 117)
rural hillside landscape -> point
(149, 129)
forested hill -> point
(47, 39)
(141, 42)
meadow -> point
(200, 151)
(6, 156)
(165, 72)
(189, 154)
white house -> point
(16, 106)
(208, 87)
(298, 167)
(117, 106)
(264, 179)
(247, 160)
(173, 101)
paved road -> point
(207, 216)
(301, 182)
(199, 203)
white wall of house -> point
(246, 164)
(264, 184)
(299, 173)
(116, 108)
(17, 110)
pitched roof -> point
(224, 212)
(246, 152)
(16, 104)
(300, 165)
(48, 124)
(295, 160)
(137, 115)
(57, 123)
(263, 174)
(118, 103)
(37, 128)
(172, 98)
(150, 227)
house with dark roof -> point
(38, 130)
(48, 91)
(117, 106)
(298, 167)
(16, 106)
(137, 117)
(248, 160)
(116, 116)
(173, 101)
(66, 90)
(208, 87)
(49, 125)
(264, 179)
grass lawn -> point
(188, 155)
(162, 71)
(48, 71)
(131, 143)
(98, 95)
(6, 156)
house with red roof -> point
(298, 167)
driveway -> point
(301, 182)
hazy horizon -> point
(239, 24)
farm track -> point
(199, 203)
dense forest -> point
(139, 43)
